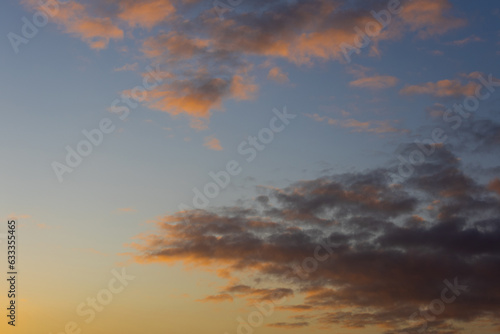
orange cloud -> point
(277, 75)
(217, 298)
(146, 14)
(251, 294)
(243, 88)
(198, 89)
(208, 59)
(199, 96)
(255, 295)
(75, 19)
(19, 216)
(213, 143)
(375, 82)
(442, 88)
(175, 45)
(295, 308)
(429, 17)
(321, 32)
(495, 186)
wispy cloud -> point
(127, 67)
(217, 298)
(375, 82)
(377, 127)
(277, 75)
(466, 40)
(213, 143)
(288, 325)
(443, 88)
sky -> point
(237, 166)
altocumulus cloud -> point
(212, 60)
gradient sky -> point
(224, 73)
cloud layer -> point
(382, 250)
(209, 57)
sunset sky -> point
(279, 166)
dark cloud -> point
(478, 136)
(383, 250)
